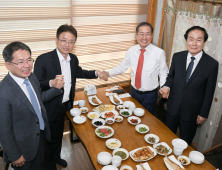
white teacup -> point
(178, 150)
(116, 161)
(82, 103)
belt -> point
(143, 92)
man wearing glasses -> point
(147, 63)
(23, 122)
(60, 62)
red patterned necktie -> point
(139, 69)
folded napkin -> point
(113, 88)
(110, 94)
(75, 103)
(124, 95)
(145, 165)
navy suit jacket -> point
(19, 124)
(47, 66)
(194, 97)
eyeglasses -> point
(22, 63)
(64, 42)
(146, 35)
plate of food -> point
(120, 107)
(104, 108)
(84, 110)
(143, 154)
(93, 115)
(93, 100)
(125, 112)
(115, 100)
(172, 164)
(162, 148)
(123, 153)
(104, 132)
(133, 120)
(151, 138)
(118, 118)
(141, 128)
(109, 114)
(98, 122)
(113, 143)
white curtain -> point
(208, 16)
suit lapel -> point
(56, 63)
(14, 88)
(72, 63)
(200, 66)
(183, 67)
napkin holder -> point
(90, 89)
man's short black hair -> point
(66, 28)
(13, 47)
(196, 28)
(144, 24)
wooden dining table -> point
(126, 133)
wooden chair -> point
(213, 149)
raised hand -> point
(165, 91)
(58, 82)
(102, 75)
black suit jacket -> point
(195, 97)
(19, 127)
(47, 66)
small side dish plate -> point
(146, 137)
(164, 144)
(133, 119)
(79, 119)
(113, 143)
(141, 128)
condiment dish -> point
(121, 151)
(183, 157)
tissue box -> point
(90, 89)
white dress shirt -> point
(154, 65)
(20, 82)
(196, 61)
(66, 72)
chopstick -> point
(141, 165)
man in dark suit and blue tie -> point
(23, 122)
(190, 85)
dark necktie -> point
(34, 104)
(189, 69)
(139, 69)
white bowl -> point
(79, 119)
(184, 157)
(104, 158)
(109, 167)
(123, 150)
(110, 120)
(118, 117)
(84, 108)
(111, 140)
(124, 110)
(126, 166)
(139, 111)
(196, 157)
(127, 103)
(75, 112)
(98, 119)
(95, 113)
(179, 142)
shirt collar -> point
(147, 48)
(197, 57)
(18, 80)
(61, 58)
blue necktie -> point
(35, 104)
(189, 69)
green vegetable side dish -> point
(142, 129)
(121, 154)
(125, 113)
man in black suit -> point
(190, 85)
(23, 122)
(60, 62)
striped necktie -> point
(189, 69)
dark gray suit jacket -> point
(47, 66)
(19, 124)
(195, 97)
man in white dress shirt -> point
(147, 63)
